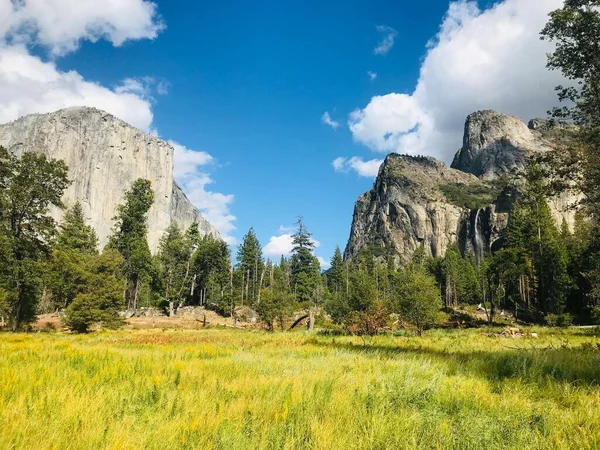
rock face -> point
(420, 201)
(496, 144)
(105, 156)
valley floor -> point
(239, 389)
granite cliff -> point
(105, 156)
(420, 201)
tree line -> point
(545, 272)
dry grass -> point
(235, 389)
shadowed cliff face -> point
(420, 201)
(105, 156)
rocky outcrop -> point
(105, 156)
(420, 201)
(495, 144)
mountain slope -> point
(105, 156)
(420, 201)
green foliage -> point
(574, 29)
(129, 237)
(417, 298)
(211, 271)
(75, 234)
(28, 187)
(336, 273)
(370, 321)
(470, 196)
(251, 264)
(76, 244)
(174, 259)
(274, 307)
(306, 270)
(337, 307)
(101, 298)
(559, 320)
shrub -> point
(418, 298)
(551, 320)
(87, 310)
(368, 322)
(595, 316)
(565, 320)
(559, 320)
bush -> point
(565, 320)
(418, 298)
(559, 320)
(337, 307)
(103, 298)
(274, 307)
(595, 316)
(368, 322)
(87, 310)
(551, 320)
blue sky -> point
(249, 83)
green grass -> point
(234, 389)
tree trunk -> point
(311, 320)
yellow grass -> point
(234, 389)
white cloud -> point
(327, 120)
(361, 167)
(278, 246)
(386, 44)
(214, 206)
(372, 75)
(60, 25)
(30, 85)
(282, 244)
(490, 59)
(324, 263)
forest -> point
(545, 273)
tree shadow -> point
(577, 366)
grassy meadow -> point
(236, 389)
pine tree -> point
(130, 237)
(76, 234)
(66, 275)
(335, 274)
(211, 266)
(174, 265)
(304, 266)
(102, 297)
(251, 264)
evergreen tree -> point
(251, 264)
(130, 237)
(77, 242)
(305, 268)
(336, 273)
(76, 234)
(102, 297)
(28, 187)
(211, 267)
(417, 297)
(174, 264)
(574, 30)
